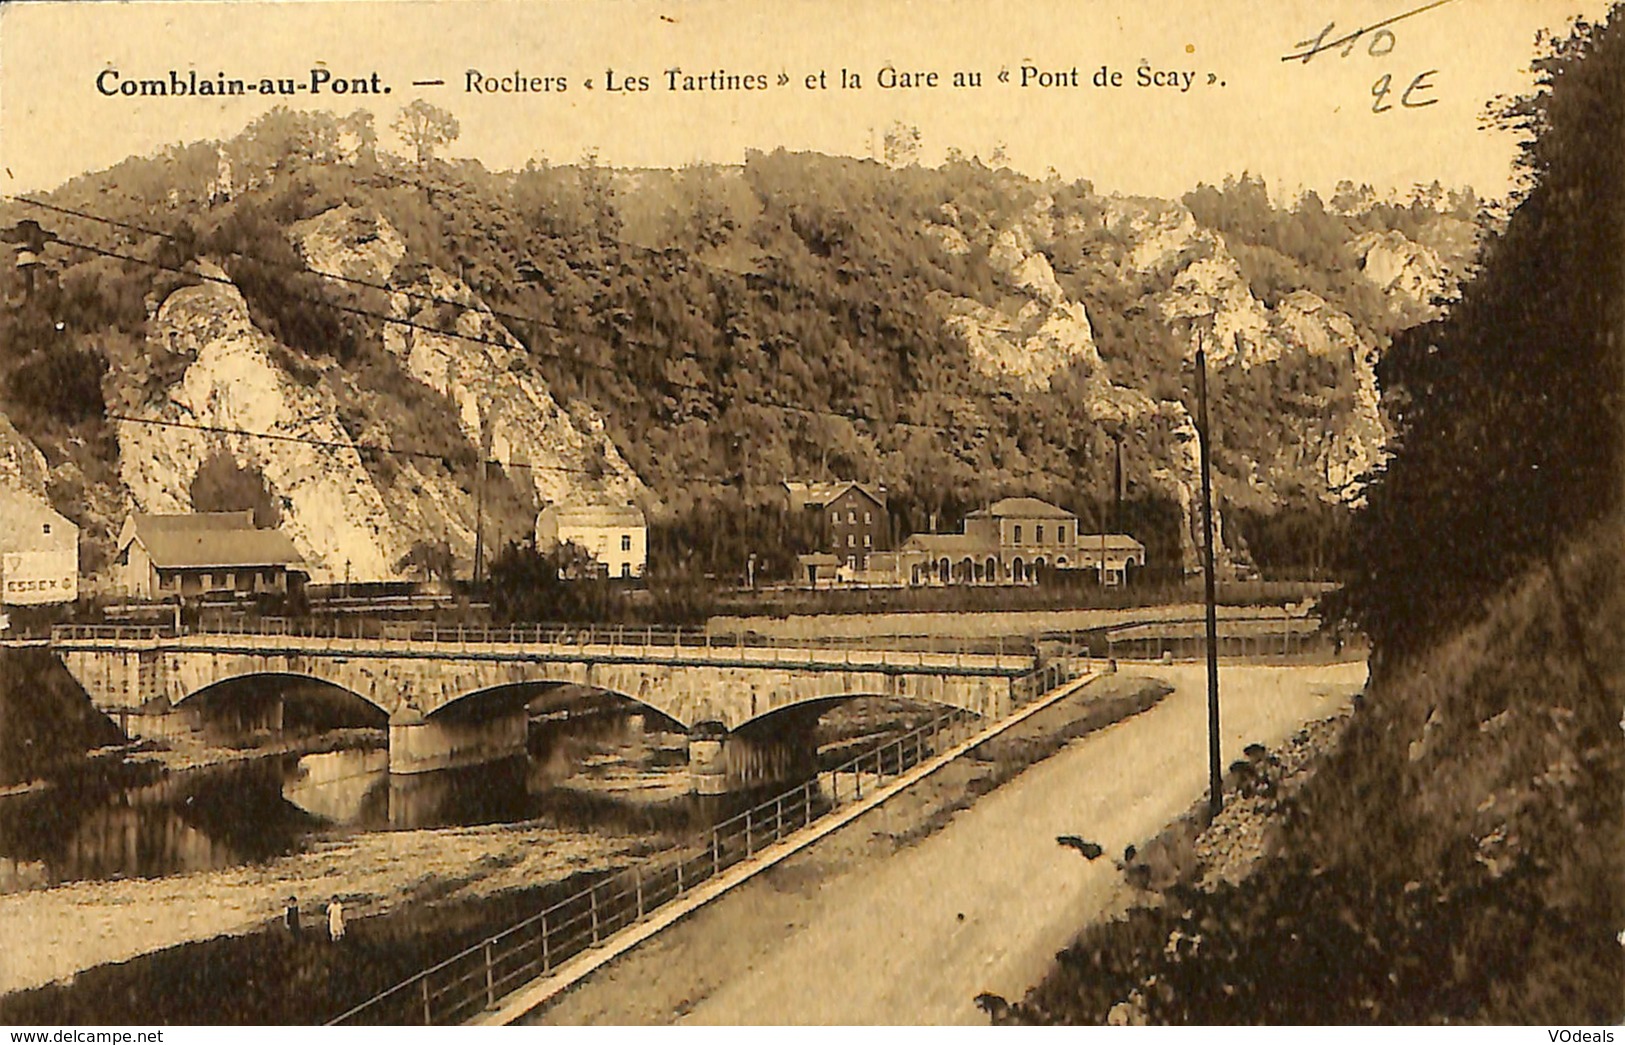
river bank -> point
(54, 934)
(596, 792)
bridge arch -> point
(216, 688)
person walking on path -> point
(335, 921)
(290, 916)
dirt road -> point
(840, 936)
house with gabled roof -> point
(853, 519)
(39, 552)
(199, 553)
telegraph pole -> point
(479, 494)
(1117, 506)
(479, 521)
(1215, 786)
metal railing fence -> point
(1009, 658)
(532, 634)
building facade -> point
(853, 522)
(204, 553)
(39, 552)
(1014, 541)
(617, 538)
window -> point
(851, 515)
(1038, 533)
(626, 542)
(851, 540)
(1060, 534)
(868, 518)
(866, 541)
(47, 527)
(626, 569)
(1018, 534)
(834, 517)
(851, 562)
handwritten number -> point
(1380, 90)
(1314, 44)
(1377, 40)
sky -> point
(1298, 124)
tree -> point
(426, 128)
(530, 586)
(902, 144)
(430, 559)
(1504, 411)
(222, 485)
(358, 137)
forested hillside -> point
(687, 339)
(1456, 859)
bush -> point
(63, 382)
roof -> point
(818, 559)
(1023, 508)
(949, 544)
(607, 516)
(203, 539)
(818, 494)
(1120, 541)
(23, 522)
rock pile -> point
(1232, 845)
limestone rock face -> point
(1411, 271)
(330, 505)
(352, 508)
(22, 466)
(1042, 331)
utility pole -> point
(1215, 786)
(479, 522)
(1117, 508)
(479, 494)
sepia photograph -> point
(716, 513)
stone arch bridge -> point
(417, 673)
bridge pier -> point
(784, 751)
(419, 744)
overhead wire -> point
(1002, 398)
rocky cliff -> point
(322, 439)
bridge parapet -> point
(541, 646)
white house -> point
(617, 538)
(39, 552)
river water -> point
(602, 768)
